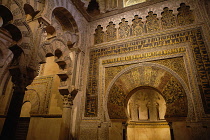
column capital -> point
(68, 98)
(67, 101)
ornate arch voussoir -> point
(58, 44)
(171, 87)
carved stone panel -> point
(168, 18)
(111, 32)
(152, 23)
(137, 26)
(185, 15)
(99, 35)
(192, 36)
(124, 29)
(40, 99)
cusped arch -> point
(52, 48)
(21, 33)
(25, 43)
(165, 81)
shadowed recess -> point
(66, 19)
(5, 14)
(14, 32)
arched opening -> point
(146, 110)
(5, 18)
(5, 14)
(93, 8)
(14, 32)
(29, 11)
(58, 53)
(65, 19)
(143, 100)
(50, 32)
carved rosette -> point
(111, 32)
(137, 26)
(124, 29)
(152, 23)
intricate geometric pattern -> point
(99, 35)
(177, 65)
(169, 88)
(137, 26)
(168, 18)
(176, 100)
(124, 29)
(152, 23)
(185, 15)
(193, 36)
(111, 32)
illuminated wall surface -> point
(104, 69)
(132, 2)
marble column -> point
(134, 112)
(76, 52)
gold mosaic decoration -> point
(176, 64)
(111, 72)
(169, 88)
(144, 56)
(193, 36)
(176, 100)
